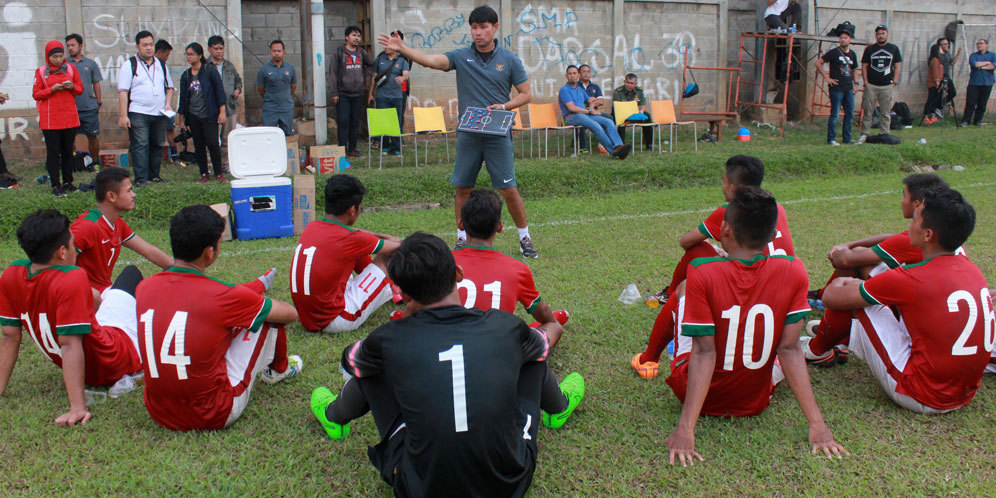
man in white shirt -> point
(145, 90)
(777, 14)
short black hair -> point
(193, 229)
(483, 14)
(109, 180)
(351, 29)
(571, 66)
(917, 183)
(745, 170)
(631, 76)
(401, 34)
(343, 192)
(74, 36)
(281, 42)
(141, 35)
(216, 40)
(752, 214)
(481, 213)
(163, 46)
(423, 267)
(583, 65)
(949, 215)
(41, 233)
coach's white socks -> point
(523, 232)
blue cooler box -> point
(261, 200)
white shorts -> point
(365, 292)
(889, 358)
(247, 356)
(118, 309)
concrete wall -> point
(647, 37)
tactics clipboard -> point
(486, 121)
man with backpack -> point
(145, 90)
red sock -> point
(835, 328)
(662, 333)
(703, 250)
(279, 363)
(256, 286)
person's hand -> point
(124, 122)
(237, 93)
(833, 81)
(835, 249)
(399, 79)
(682, 445)
(3, 98)
(99, 103)
(822, 440)
(74, 415)
(167, 107)
(596, 112)
(371, 100)
(221, 118)
(335, 99)
(389, 42)
(500, 107)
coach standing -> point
(980, 83)
(145, 90)
(485, 76)
(880, 65)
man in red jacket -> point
(56, 86)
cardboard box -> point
(114, 157)
(225, 212)
(293, 156)
(303, 201)
(325, 158)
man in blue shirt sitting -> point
(595, 100)
(573, 100)
(980, 83)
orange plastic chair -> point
(663, 114)
(544, 117)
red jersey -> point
(781, 245)
(492, 280)
(745, 304)
(187, 321)
(948, 313)
(98, 245)
(327, 254)
(58, 299)
(897, 250)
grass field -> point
(599, 225)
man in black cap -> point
(880, 65)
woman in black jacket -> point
(202, 109)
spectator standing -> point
(486, 73)
(939, 86)
(980, 83)
(391, 72)
(202, 109)
(145, 90)
(595, 101)
(276, 82)
(629, 92)
(842, 61)
(87, 103)
(232, 82)
(573, 102)
(56, 85)
(163, 51)
(349, 68)
(880, 66)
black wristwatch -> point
(589, 112)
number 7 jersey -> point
(745, 305)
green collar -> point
(347, 227)
(62, 268)
(191, 271)
(468, 246)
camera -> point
(183, 136)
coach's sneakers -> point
(321, 398)
(573, 388)
(268, 278)
(862, 139)
(827, 359)
(294, 366)
(647, 369)
(526, 248)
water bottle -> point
(792, 30)
(124, 385)
(93, 397)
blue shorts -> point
(89, 123)
(282, 120)
(472, 149)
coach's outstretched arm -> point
(10, 344)
(431, 61)
(794, 366)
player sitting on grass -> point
(99, 233)
(749, 306)
(492, 280)
(53, 299)
(861, 259)
(204, 340)
(327, 296)
(456, 393)
(740, 171)
(931, 357)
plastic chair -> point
(544, 117)
(663, 114)
(430, 121)
(384, 123)
(518, 127)
(623, 110)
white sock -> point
(461, 234)
(523, 232)
(268, 278)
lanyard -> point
(152, 75)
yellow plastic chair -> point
(663, 114)
(544, 117)
(384, 123)
(430, 121)
(623, 110)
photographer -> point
(202, 109)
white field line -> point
(621, 217)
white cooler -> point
(261, 198)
